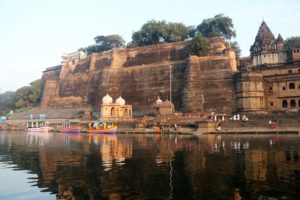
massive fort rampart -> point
(142, 74)
(266, 81)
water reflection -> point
(151, 166)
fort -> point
(264, 82)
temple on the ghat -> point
(266, 81)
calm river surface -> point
(48, 166)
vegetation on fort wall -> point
(158, 32)
(218, 26)
(22, 98)
(104, 43)
(199, 45)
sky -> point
(35, 33)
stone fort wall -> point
(141, 74)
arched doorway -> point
(293, 103)
(112, 111)
(292, 86)
(284, 104)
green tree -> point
(7, 102)
(291, 41)
(156, 32)
(192, 30)
(35, 91)
(104, 43)
(235, 45)
(218, 26)
(22, 97)
(199, 45)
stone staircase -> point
(284, 121)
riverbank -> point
(178, 124)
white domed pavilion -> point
(158, 101)
(120, 101)
(107, 99)
(117, 110)
(163, 107)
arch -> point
(299, 103)
(290, 72)
(284, 104)
(298, 70)
(130, 111)
(126, 113)
(293, 103)
(292, 86)
(112, 111)
(283, 88)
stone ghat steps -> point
(286, 121)
(50, 113)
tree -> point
(219, 26)
(235, 45)
(289, 42)
(199, 45)
(22, 97)
(192, 31)
(104, 43)
(7, 102)
(35, 91)
(156, 32)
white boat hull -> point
(39, 129)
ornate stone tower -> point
(267, 50)
(250, 92)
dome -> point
(120, 101)
(107, 99)
(158, 101)
(167, 104)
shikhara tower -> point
(267, 50)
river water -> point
(50, 166)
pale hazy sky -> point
(35, 33)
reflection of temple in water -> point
(183, 167)
(256, 165)
(112, 150)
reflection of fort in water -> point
(101, 165)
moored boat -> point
(102, 127)
(38, 126)
(70, 127)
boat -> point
(102, 127)
(38, 126)
(70, 127)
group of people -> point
(237, 117)
(272, 124)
